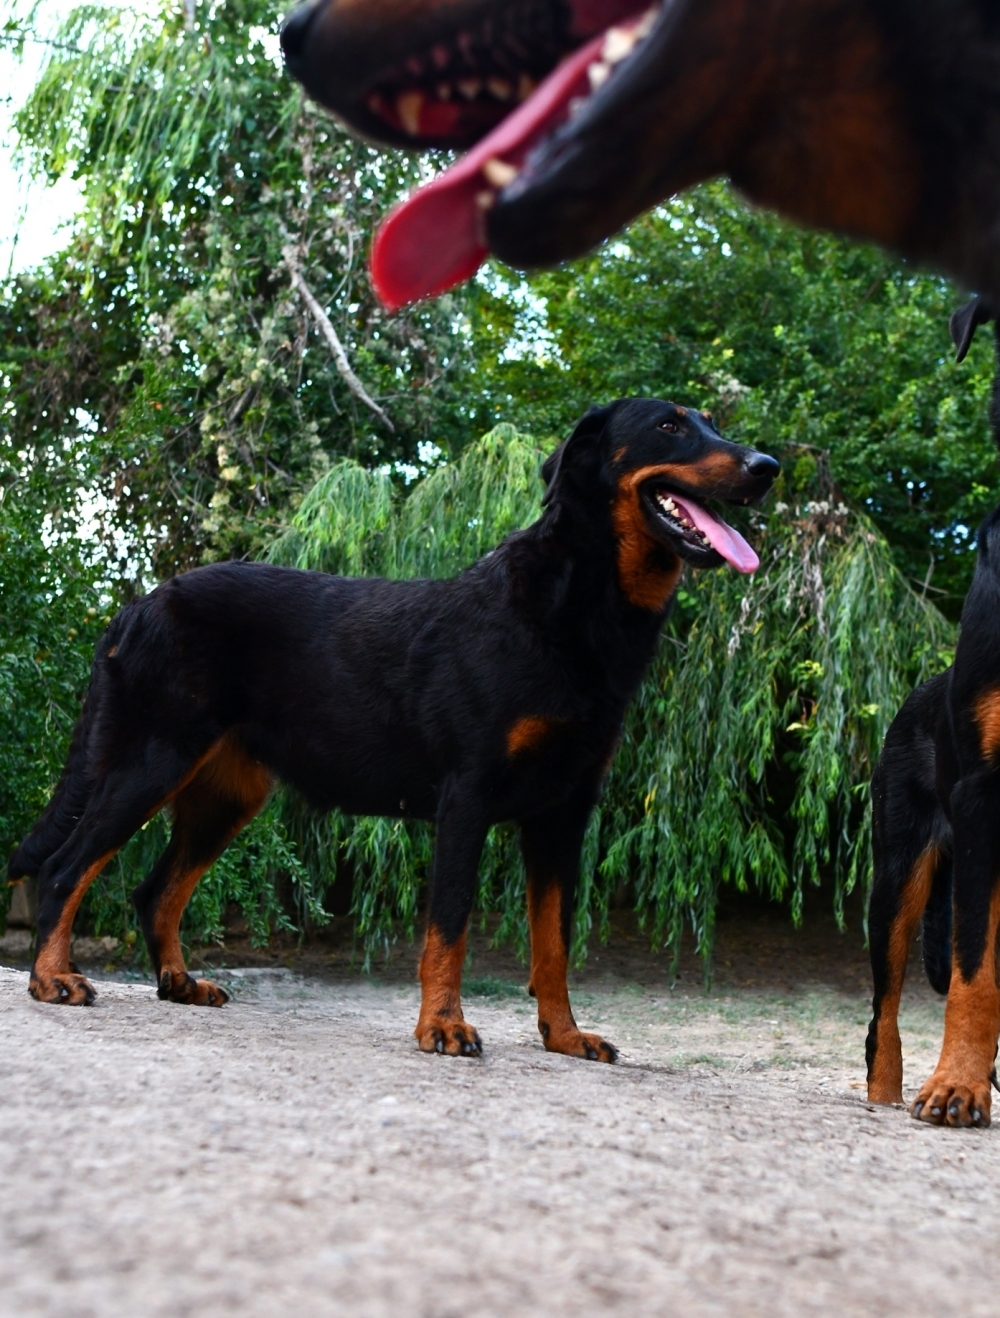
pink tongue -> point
(435, 238)
(723, 539)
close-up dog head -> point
(660, 465)
(876, 118)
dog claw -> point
(917, 1109)
(456, 1038)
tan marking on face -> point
(986, 712)
(681, 411)
(885, 1079)
(529, 732)
(647, 571)
(707, 416)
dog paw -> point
(944, 1101)
(179, 986)
(456, 1038)
(71, 989)
(575, 1043)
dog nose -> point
(294, 31)
(761, 467)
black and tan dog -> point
(878, 118)
(936, 799)
(497, 695)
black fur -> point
(496, 695)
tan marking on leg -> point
(52, 979)
(441, 1027)
(986, 711)
(647, 571)
(960, 1085)
(228, 775)
(885, 1084)
(548, 986)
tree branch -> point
(330, 334)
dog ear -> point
(965, 321)
(577, 451)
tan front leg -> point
(441, 1027)
(549, 961)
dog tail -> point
(76, 783)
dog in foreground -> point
(497, 695)
(936, 800)
(875, 118)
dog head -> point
(659, 464)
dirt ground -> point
(294, 1154)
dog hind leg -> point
(551, 845)
(119, 804)
(225, 794)
(958, 1092)
(894, 914)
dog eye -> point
(669, 426)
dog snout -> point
(759, 467)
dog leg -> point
(958, 1092)
(461, 832)
(892, 924)
(122, 802)
(223, 797)
(551, 845)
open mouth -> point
(698, 532)
(436, 238)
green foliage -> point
(746, 756)
(209, 398)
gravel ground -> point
(294, 1154)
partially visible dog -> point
(497, 695)
(877, 118)
(936, 798)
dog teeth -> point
(618, 43)
(500, 88)
(408, 107)
(598, 73)
(470, 87)
(499, 173)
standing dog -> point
(936, 799)
(497, 695)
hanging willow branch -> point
(330, 334)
